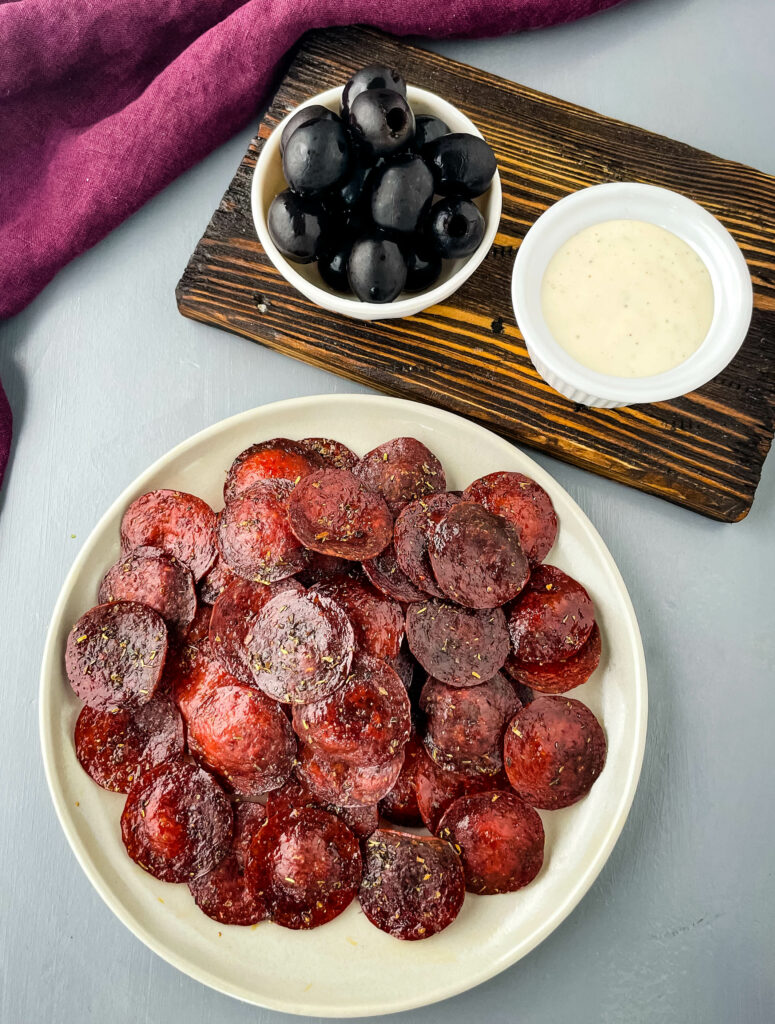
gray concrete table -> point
(104, 376)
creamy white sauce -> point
(627, 298)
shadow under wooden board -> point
(704, 451)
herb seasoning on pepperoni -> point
(306, 866)
(459, 646)
(436, 789)
(192, 674)
(180, 524)
(294, 795)
(525, 503)
(559, 676)
(401, 470)
(278, 459)
(553, 751)
(347, 784)
(151, 577)
(552, 619)
(177, 822)
(413, 530)
(301, 648)
(115, 747)
(476, 557)
(212, 585)
(500, 840)
(254, 536)
(334, 453)
(388, 576)
(332, 512)
(413, 886)
(400, 804)
(115, 655)
(377, 621)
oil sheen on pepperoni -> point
(173, 521)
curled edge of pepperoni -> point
(334, 453)
(384, 572)
(413, 528)
(559, 676)
(276, 459)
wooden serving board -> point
(704, 451)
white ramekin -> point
(732, 291)
(268, 180)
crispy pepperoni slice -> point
(234, 616)
(459, 646)
(193, 673)
(525, 503)
(388, 576)
(115, 747)
(212, 585)
(365, 722)
(552, 619)
(500, 840)
(559, 676)
(224, 893)
(199, 628)
(332, 512)
(403, 665)
(436, 789)
(413, 886)
(400, 804)
(465, 724)
(306, 866)
(301, 647)
(180, 524)
(294, 795)
(476, 557)
(244, 737)
(377, 621)
(347, 785)
(553, 751)
(278, 459)
(177, 822)
(115, 655)
(401, 470)
(413, 530)
(254, 536)
(334, 453)
(149, 576)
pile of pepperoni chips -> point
(345, 650)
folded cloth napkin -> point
(104, 102)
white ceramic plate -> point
(348, 967)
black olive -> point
(455, 227)
(381, 122)
(427, 128)
(376, 269)
(373, 77)
(401, 193)
(297, 226)
(422, 268)
(332, 265)
(316, 157)
(314, 112)
(462, 164)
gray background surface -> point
(104, 376)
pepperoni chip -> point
(294, 795)
(177, 822)
(234, 616)
(499, 838)
(459, 646)
(365, 722)
(151, 577)
(244, 737)
(377, 621)
(553, 751)
(254, 537)
(332, 512)
(465, 724)
(414, 528)
(193, 674)
(347, 785)
(180, 524)
(334, 453)
(552, 618)
(224, 893)
(403, 665)
(212, 585)
(301, 648)
(199, 628)
(115, 747)
(476, 557)
(437, 789)
(306, 866)
(400, 804)
(525, 503)
(413, 886)
(278, 459)
(115, 655)
(401, 470)
(559, 676)
(388, 576)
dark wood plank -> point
(704, 450)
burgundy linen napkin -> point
(104, 102)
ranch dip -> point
(627, 298)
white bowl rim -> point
(721, 255)
(413, 303)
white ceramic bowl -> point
(732, 291)
(348, 968)
(268, 180)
